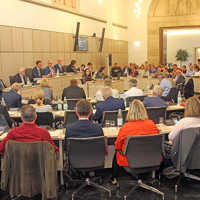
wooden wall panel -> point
(17, 38)
(28, 60)
(6, 40)
(27, 40)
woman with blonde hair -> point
(138, 124)
(39, 99)
(48, 93)
(191, 117)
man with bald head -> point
(59, 66)
(109, 104)
(20, 77)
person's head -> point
(16, 87)
(137, 111)
(59, 61)
(133, 83)
(116, 64)
(174, 66)
(106, 92)
(159, 70)
(102, 69)
(28, 114)
(178, 72)
(22, 71)
(108, 83)
(83, 109)
(196, 68)
(157, 91)
(192, 107)
(50, 63)
(74, 82)
(89, 64)
(184, 67)
(39, 97)
(39, 64)
(87, 72)
(165, 75)
(45, 83)
(191, 67)
(82, 67)
(73, 62)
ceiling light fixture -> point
(137, 8)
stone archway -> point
(169, 14)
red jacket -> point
(27, 133)
(133, 128)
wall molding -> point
(119, 26)
(64, 9)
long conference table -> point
(110, 133)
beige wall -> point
(20, 47)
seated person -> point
(189, 88)
(83, 128)
(37, 71)
(126, 71)
(116, 71)
(133, 70)
(196, 69)
(39, 106)
(28, 131)
(155, 100)
(190, 71)
(133, 91)
(87, 76)
(152, 70)
(46, 88)
(184, 69)
(191, 117)
(179, 78)
(107, 83)
(71, 67)
(5, 120)
(73, 91)
(13, 98)
(59, 67)
(110, 104)
(101, 74)
(50, 70)
(20, 77)
(138, 124)
(165, 84)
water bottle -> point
(179, 97)
(57, 73)
(59, 104)
(65, 106)
(119, 118)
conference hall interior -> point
(100, 99)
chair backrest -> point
(71, 103)
(70, 117)
(86, 153)
(45, 119)
(36, 169)
(2, 84)
(28, 73)
(143, 151)
(173, 95)
(112, 116)
(155, 113)
(11, 79)
(130, 99)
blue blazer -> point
(12, 99)
(48, 71)
(154, 102)
(35, 73)
(61, 70)
(110, 104)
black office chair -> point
(45, 119)
(28, 73)
(2, 84)
(71, 103)
(112, 116)
(86, 155)
(185, 154)
(70, 117)
(130, 99)
(143, 154)
(11, 79)
(155, 113)
(172, 96)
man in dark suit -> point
(50, 70)
(116, 71)
(180, 79)
(20, 77)
(83, 128)
(37, 70)
(110, 104)
(71, 67)
(73, 91)
(12, 98)
(59, 67)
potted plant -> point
(182, 56)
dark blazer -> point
(47, 70)
(61, 70)
(110, 104)
(73, 92)
(180, 80)
(5, 113)
(189, 89)
(70, 68)
(35, 73)
(154, 102)
(17, 79)
(124, 71)
(12, 99)
(116, 74)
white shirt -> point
(185, 123)
(99, 96)
(133, 92)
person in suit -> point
(110, 104)
(49, 70)
(116, 71)
(126, 70)
(73, 91)
(37, 70)
(12, 98)
(101, 74)
(71, 67)
(83, 128)
(20, 77)
(155, 100)
(59, 66)
(180, 79)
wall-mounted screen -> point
(82, 44)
